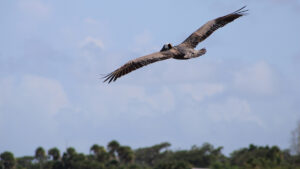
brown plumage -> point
(185, 50)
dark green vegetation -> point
(116, 156)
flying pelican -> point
(183, 51)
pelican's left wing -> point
(207, 29)
(138, 63)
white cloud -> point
(91, 41)
(28, 109)
(199, 91)
(45, 91)
(99, 104)
(232, 110)
(137, 101)
(258, 78)
(90, 21)
(35, 8)
(43, 95)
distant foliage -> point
(159, 156)
(295, 146)
(7, 160)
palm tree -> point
(69, 158)
(8, 160)
(71, 151)
(95, 149)
(125, 154)
(99, 152)
(149, 155)
(54, 153)
(112, 149)
(40, 155)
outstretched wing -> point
(207, 29)
(137, 63)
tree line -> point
(159, 156)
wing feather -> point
(137, 63)
(207, 29)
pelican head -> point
(166, 47)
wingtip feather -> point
(242, 11)
(108, 77)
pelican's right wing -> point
(137, 63)
(207, 29)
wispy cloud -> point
(33, 91)
(200, 91)
(30, 103)
(35, 8)
(233, 110)
(90, 21)
(92, 41)
(137, 101)
(258, 78)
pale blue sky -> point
(244, 90)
